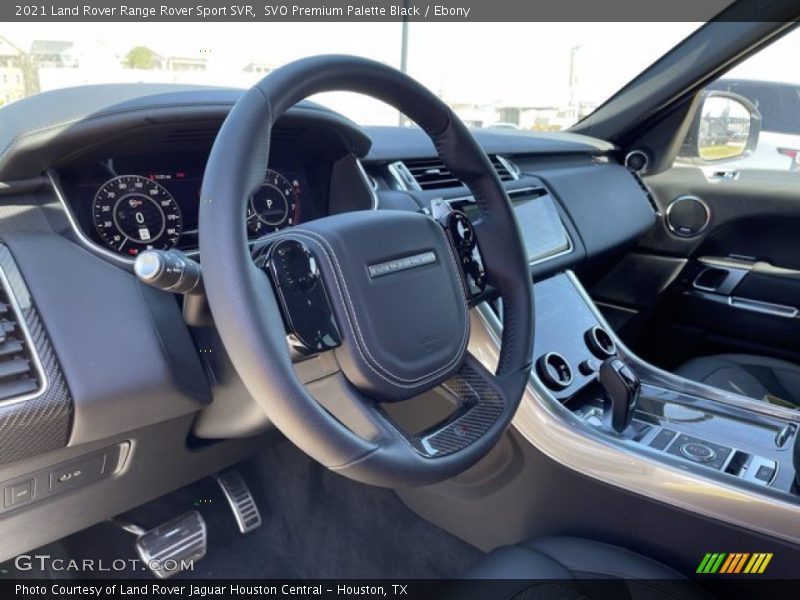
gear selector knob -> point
(622, 388)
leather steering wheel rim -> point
(244, 306)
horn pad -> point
(398, 297)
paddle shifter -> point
(622, 388)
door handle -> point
(725, 174)
(718, 279)
(721, 277)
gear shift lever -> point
(622, 388)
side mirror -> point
(726, 126)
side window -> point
(791, 109)
(770, 83)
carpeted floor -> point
(315, 525)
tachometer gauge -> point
(275, 206)
(133, 213)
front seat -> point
(565, 568)
(757, 377)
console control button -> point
(294, 266)
(663, 439)
(554, 371)
(765, 473)
(78, 473)
(698, 452)
(589, 367)
(19, 493)
(600, 342)
(298, 282)
(464, 240)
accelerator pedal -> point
(169, 548)
(241, 501)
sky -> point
(477, 63)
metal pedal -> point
(241, 501)
(167, 549)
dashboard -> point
(128, 204)
(89, 177)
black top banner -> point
(411, 10)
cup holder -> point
(600, 342)
(554, 371)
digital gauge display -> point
(133, 213)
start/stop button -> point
(698, 452)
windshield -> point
(535, 76)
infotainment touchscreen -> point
(543, 231)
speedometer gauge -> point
(133, 213)
(275, 206)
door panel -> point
(739, 288)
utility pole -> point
(29, 66)
(573, 80)
(404, 53)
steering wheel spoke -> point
(478, 406)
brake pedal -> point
(241, 501)
(167, 549)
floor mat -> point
(316, 524)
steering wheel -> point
(394, 288)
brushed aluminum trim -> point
(511, 167)
(77, 230)
(367, 181)
(566, 439)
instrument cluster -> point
(133, 204)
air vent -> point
(650, 198)
(506, 170)
(432, 174)
(19, 375)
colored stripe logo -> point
(734, 563)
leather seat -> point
(752, 376)
(567, 568)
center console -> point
(590, 373)
(602, 410)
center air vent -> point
(432, 174)
(19, 375)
